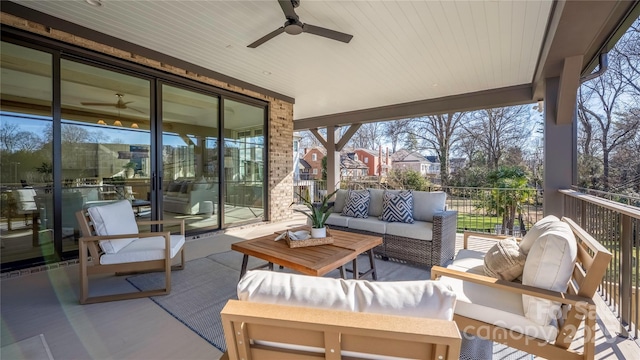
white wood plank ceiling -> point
(401, 50)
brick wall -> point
(317, 164)
(280, 121)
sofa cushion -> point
(426, 298)
(185, 187)
(144, 249)
(375, 204)
(341, 198)
(536, 230)
(174, 187)
(549, 266)
(357, 204)
(336, 220)
(420, 230)
(426, 204)
(397, 208)
(369, 224)
(504, 260)
(114, 219)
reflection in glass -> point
(105, 157)
(243, 162)
(26, 152)
(190, 157)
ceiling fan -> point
(120, 104)
(294, 26)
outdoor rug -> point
(200, 291)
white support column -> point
(559, 148)
(333, 159)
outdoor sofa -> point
(428, 241)
(290, 316)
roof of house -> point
(348, 163)
(404, 155)
(305, 164)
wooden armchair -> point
(268, 331)
(111, 243)
(577, 304)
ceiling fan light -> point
(117, 123)
(135, 126)
(101, 122)
(96, 3)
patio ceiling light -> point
(96, 3)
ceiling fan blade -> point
(287, 9)
(97, 104)
(134, 109)
(331, 34)
(266, 38)
(125, 103)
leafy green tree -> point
(407, 179)
(324, 168)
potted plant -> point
(319, 213)
(130, 169)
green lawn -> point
(478, 222)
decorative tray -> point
(307, 242)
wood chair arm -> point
(95, 238)
(483, 236)
(560, 297)
(163, 222)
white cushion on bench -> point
(144, 249)
(368, 224)
(114, 219)
(336, 219)
(426, 298)
(493, 306)
(420, 230)
(426, 204)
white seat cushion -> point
(549, 266)
(420, 230)
(144, 249)
(25, 199)
(426, 298)
(498, 307)
(336, 219)
(369, 224)
(114, 219)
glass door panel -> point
(26, 152)
(106, 143)
(190, 180)
(244, 154)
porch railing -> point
(616, 225)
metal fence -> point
(616, 226)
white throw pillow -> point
(426, 298)
(114, 219)
(426, 204)
(534, 233)
(549, 266)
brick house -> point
(377, 164)
(314, 157)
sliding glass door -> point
(190, 180)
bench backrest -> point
(267, 331)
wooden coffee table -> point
(312, 260)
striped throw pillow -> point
(357, 204)
(397, 207)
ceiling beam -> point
(508, 96)
(568, 89)
(347, 136)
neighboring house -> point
(455, 164)
(377, 164)
(411, 160)
(304, 170)
(351, 167)
(314, 157)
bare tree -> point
(395, 131)
(628, 50)
(369, 136)
(8, 132)
(496, 130)
(439, 133)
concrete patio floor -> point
(47, 303)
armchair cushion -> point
(426, 299)
(114, 219)
(426, 204)
(504, 260)
(144, 249)
(357, 204)
(397, 208)
(549, 265)
(534, 233)
(25, 199)
(341, 198)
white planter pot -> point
(319, 233)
